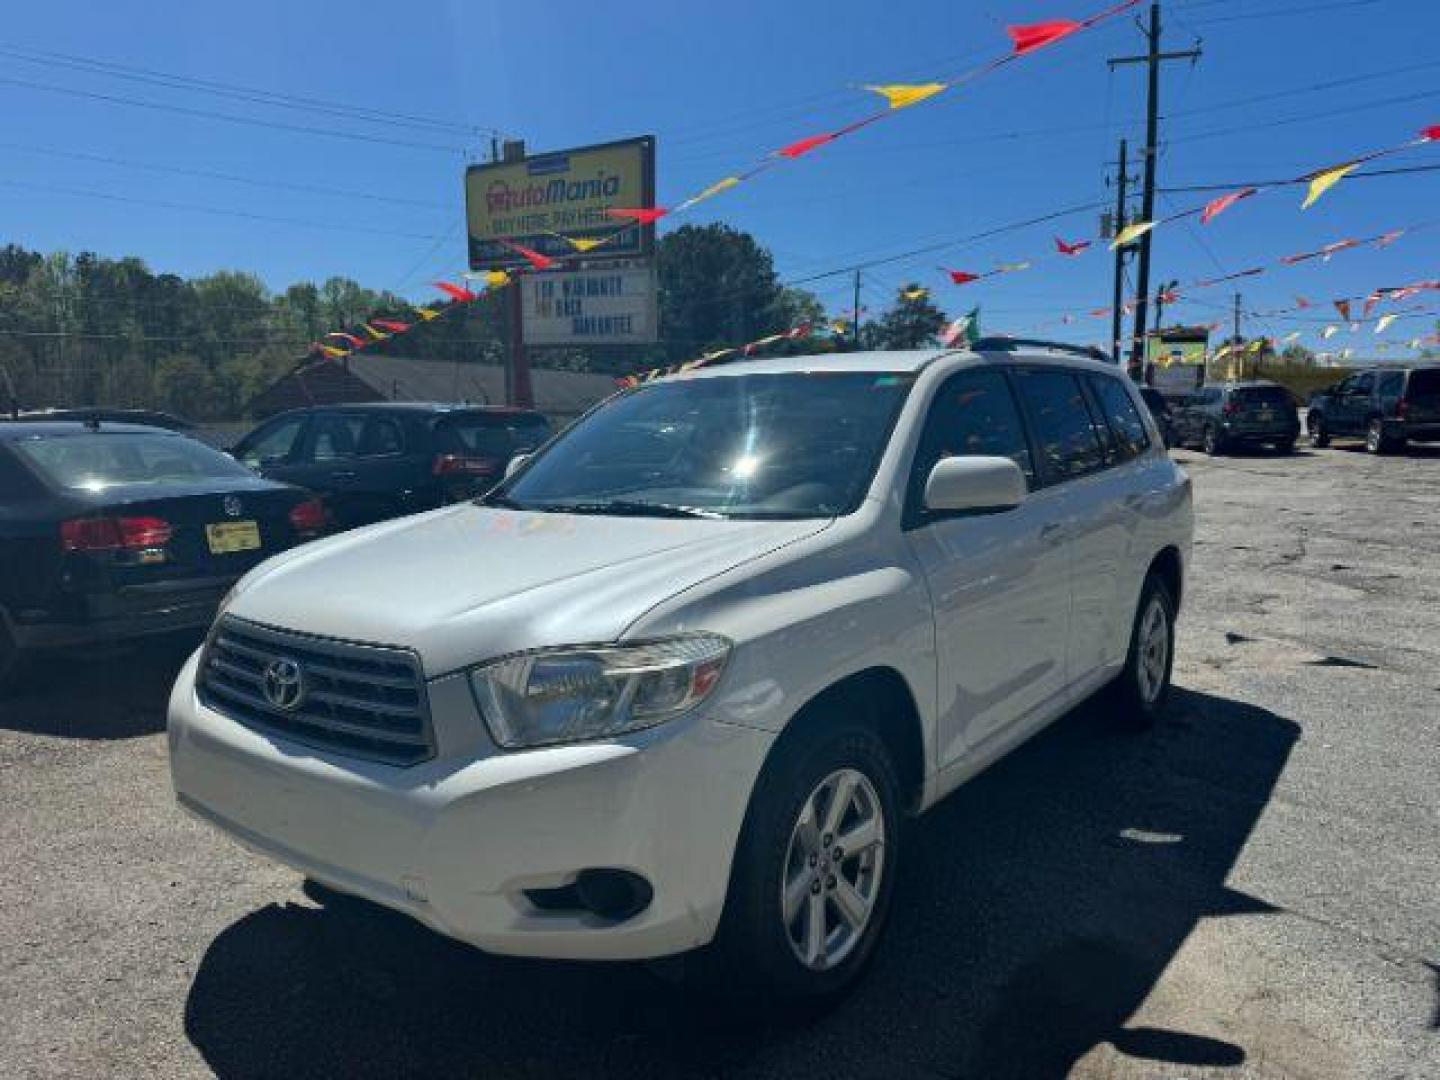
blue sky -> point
(720, 85)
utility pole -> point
(855, 323)
(1153, 59)
(1235, 341)
(1118, 300)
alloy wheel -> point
(1154, 651)
(1374, 437)
(833, 869)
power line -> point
(207, 174)
(1368, 174)
(221, 211)
(229, 118)
(233, 91)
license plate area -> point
(226, 537)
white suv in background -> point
(674, 684)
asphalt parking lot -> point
(1251, 890)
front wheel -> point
(1319, 433)
(1143, 686)
(814, 870)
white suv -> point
(676, 682)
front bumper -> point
(456, 841)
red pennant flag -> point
(1370, 302)
(1071, 249)
(1301, 303)
(644, 216)
(962, 277)
(1101, 311)
(804, 146)
(1343, 307)
(349, 339)
(1215, 207)
(1430, 134)
(1170, 296)
(1038, 35)
(391, 325)
(534, 258)
(801, 331)
(1386, 239)
(457, 292)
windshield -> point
(97, 461)
(793, 446)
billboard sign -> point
(612, 306)
(1175, 359)
(531, 200)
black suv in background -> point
(376, 461)
(1160, 410)
(1220, 417)
(1387, 406)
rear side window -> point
(335, 437)
(491, 436)
(973, 414)
(1120, 414)
(1424, 383)
(1391, 383)
(379, 437)
(1061, 423)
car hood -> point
(468, 582)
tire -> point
(757, 951)
(1143, 686)
(1376, 441)
(1214, 442)
(1319, 433)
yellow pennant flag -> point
(1384, 323)
(1131, 233)
(583, 244)
(903, 95)
(375, 335)
(710, 192)
(917, 293)
(1010, 268)
(332, 352)
(427, 313)
(497, 279)
(1320, 183)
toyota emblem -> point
(231, 505)
(284, 684)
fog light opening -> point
(616, 895)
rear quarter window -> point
(1424, 383)
(1264, 395)
(491, 436)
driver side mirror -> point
(986, 485)
(513, 465)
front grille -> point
(364, 701)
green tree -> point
(913, 323)
(718, 287)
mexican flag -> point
(963, 331)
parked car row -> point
(115, 530)
(1387, 407)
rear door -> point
(1354, 403)
(999, 583)
(273, 449)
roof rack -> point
(1012, 344)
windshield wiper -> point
(502, 501)
(630, 508)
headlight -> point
(572, 694)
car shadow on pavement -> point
(118, 692)
(1037, 908)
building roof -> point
(375, 378)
